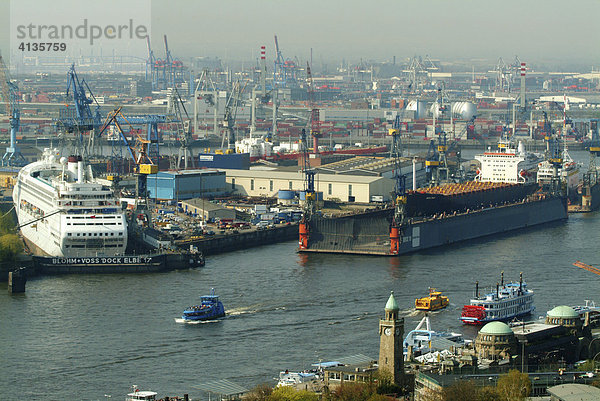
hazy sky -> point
(535, 30)
(352, 29)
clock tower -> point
(391, 334)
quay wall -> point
(245, 239)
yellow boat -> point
(434, 301)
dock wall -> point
(245, 239)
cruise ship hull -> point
(64, 211)
(368, 233)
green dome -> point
(496, 328)
(564, 312)
(391, 303)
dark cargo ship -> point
(435, 216)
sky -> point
(551, 31)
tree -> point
(287, 393)
(7, 224)
(487, 393)
(385, 383)
(259, 393)
(10, 247)
(350, 391)
(462, 390)
(513, 386)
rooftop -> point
(575, 392)
(563, 311)
(391, 303)
(497, 328)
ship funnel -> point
(72, 164)
(80, 171)
(497, 290)
(477, 289)
(521, 281)
(502, 278)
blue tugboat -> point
(210, 308)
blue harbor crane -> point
(79, 118)
(151, 71)
(284, 71)
(138, 151)
(163, 73)
(12, 157)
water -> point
(87, 336)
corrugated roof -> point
(358, 359)
(221, 387)
(286, 175)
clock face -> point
(387, 331)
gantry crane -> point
(284, 71)
(139, 152)
(399, 194)
(12, 157)
(309, 192)
(79, 119)
(230, 115)
(179, 115)
(314, 122)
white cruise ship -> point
(63, 211)
(508, 164)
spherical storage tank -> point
(464, 110)
(418, 106)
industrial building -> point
(233, 160)
(268, 182)
(187, 184)
(359, 179)
(207, 210)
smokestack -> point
(521, 281)
(80, 171)
(477, 289)
(414, 171)
(523, 69)
(263, 70)
(502, 278)
(497, 290)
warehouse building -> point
(360, 179)
(268, 182)
(207, 210)
(187, 184)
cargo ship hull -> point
(368, 233)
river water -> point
(86, 337)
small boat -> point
(423, 339)
(138, 395)
(210, 308)
(506, 303)
(288, 378)
(434, 301)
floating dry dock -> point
(433, 217)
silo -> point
(418, 107)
